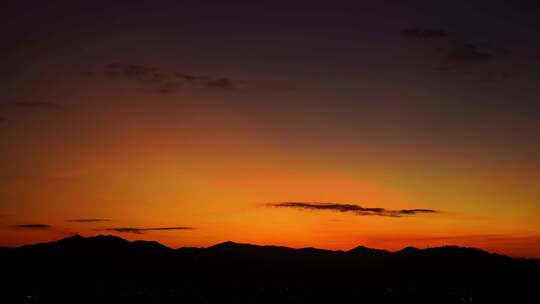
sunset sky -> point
(378, 123)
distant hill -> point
(109, 269)
(101, 245)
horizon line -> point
(278, 246)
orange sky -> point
(145, 170)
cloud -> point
(470, 53)
(132, 70)
(89, 220)
(221, 83)
(34, 226)
(467, 56)
(44, 105)
(353, 208)
(142, 230)
(416, 211)
(168, 81)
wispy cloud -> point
(88, 220)
(470, 53)
(352, 208)
(44, 105)
(142, 230)
(34, 226)
(165, 82)
(459, 53)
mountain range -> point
(109, 269)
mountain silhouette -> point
(408, 250)
(365, 251)
(109, 269)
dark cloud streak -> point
(470, 53)
(142, 230)
(34, 226)
(168, 81)
(353, 208)
(467, 56)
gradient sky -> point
(273, 122)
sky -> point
(297, 123)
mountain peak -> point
(231, 245)
(99, 245)
(74, 237)
(367, 251)
(408, 250)
(227, 243)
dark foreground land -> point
(107, 269)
